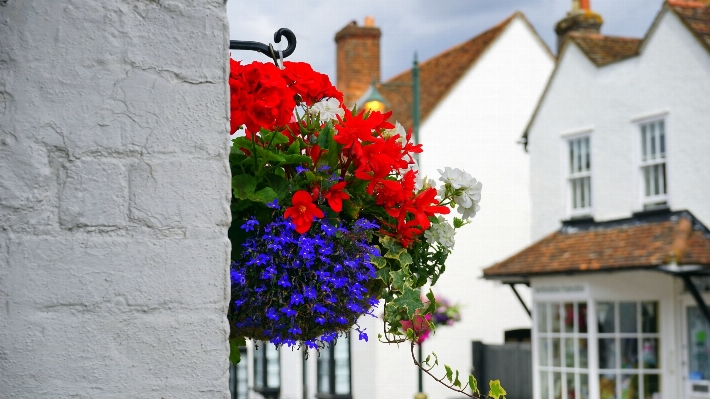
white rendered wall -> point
(672, 77)
(114, 199)
(476, 128)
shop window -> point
(334, 371)
(238, 387)
(267, 370)
(562, 350)
(629, 348)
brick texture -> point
(358, 60)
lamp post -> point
(376, 102)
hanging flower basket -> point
(330, 215)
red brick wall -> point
(357, 60)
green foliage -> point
(473, 384)
(496, 390)
(234, 344)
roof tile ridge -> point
(679, 246)
(688, 3)
(499, 26)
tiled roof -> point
(437, 76)
(695, 16)
(644, 241)
(604, 50)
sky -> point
(427, 27)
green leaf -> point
(378, 261)
(351, 209)
(457, 383)
(234, 344)
(399, 279)
(325, 137)
(405, 258)
(496, 390)
(296, 159)
(436, 359)
(275, 138)
(279, 185)
(473, 384)
(426, 361)
(449, 373)
(409, 301)
(294, 148)
(458, 223)
(264, 195)
(243, 186)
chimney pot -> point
(357, 59)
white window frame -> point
(570, 176)
(639, 335)
(562, 336)
(656, 120)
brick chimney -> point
(357, 59)
(580, 19)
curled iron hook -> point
(263, 48)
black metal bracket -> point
(696, 295)
(265, 49)
(527, 310)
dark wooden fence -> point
(511, 363)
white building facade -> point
(618, 159)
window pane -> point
(582, 193)
(571, 157)
(627, 317)
(324, 371)
(583, 386)
(662, 178)
(575, 193)
(571, 391)
(662, 138)
(579, 155)
(650, 353)
(607, 386)
(556, 310)
(652, 141)
(655, 182)
(651, 386)
(630, 386)
(607, 353)
(544, 351)
(541, 316)
(582, 317)
(583, 362)
(273, 373)
(698, 345)
(342, 366)
(259, 364)
(557, 385)
(556, 353)
(644, 144)
(605, 317)
(649, 317)
(569, 317)
(544, 385)
(647, 180)
(588, 184)
(569, 352)
(588, 157)
(629, 353)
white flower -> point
(441, 232)
(456, 177)
(466, 190)
(398, 129)
(327, 109)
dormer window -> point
(653, 163)
(580, 178)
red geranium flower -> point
(335, 196)
(303, 211)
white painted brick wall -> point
(114, 199)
